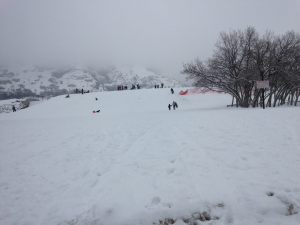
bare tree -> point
(242, 58)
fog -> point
(160, 35)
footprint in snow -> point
(155, 200)
(168, 205)
(171, 170)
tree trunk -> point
(292, 97)
(297, 97)
(270, 100)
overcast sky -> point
(158, 34)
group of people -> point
(80, 91)
(174, 104)
(157, 86)
(137, 87)
(121, 87)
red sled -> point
(183, 92)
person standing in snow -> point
(82, 91)
(14, 108)
(172, 90)
(169, 106)
(174, 105)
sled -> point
(183, 92)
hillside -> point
(136, 162)
(46, 81)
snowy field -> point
(136, 162)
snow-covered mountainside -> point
(59, 81)
(139, 163)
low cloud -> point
(155, 34)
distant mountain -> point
(45, 81)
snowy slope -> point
(136, 162)
(64, 80)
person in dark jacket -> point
(174, 105)
(172, 90)
(169, 106)
(14, 108)
(68, 96)
(82, 91)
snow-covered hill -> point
(136, 162)
(50, 81)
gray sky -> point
(159, 34)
